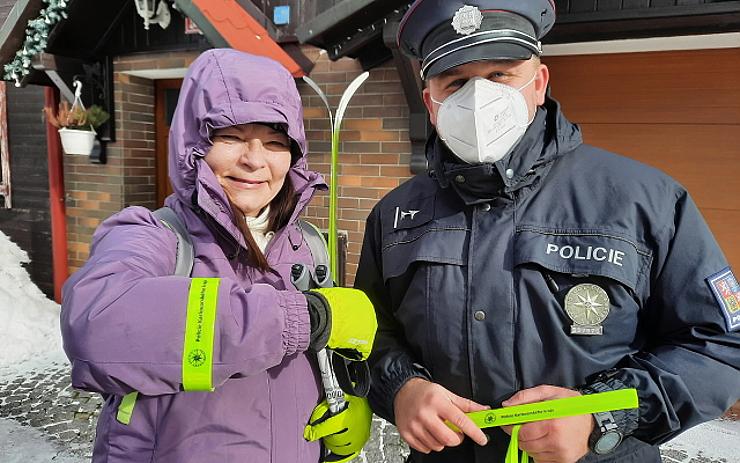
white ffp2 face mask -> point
(483, 120)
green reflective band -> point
(548, 410)
(197, 354)
(558, 408)
(513, 450)
(126, 408)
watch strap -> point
(625, 419)
(603, 423)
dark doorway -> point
(167, 91)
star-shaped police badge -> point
(587, 305)
(467, 20)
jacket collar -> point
(549, 136)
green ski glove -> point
(343, 320)
(345, 433)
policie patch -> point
(727, 291)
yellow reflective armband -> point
(197, 354)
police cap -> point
(446, 33)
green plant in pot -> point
(76, 125)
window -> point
(4, 151)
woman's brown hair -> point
(281, 208)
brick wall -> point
(94, 191)
(374, 153)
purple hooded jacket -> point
(123, 313)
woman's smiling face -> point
(250, 162)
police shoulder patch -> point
(727, 291)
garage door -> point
(677, 111)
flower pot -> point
(77, 141)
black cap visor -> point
(479, 52)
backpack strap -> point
(319, 252)
(184, 258)
(185, 255)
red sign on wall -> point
(191, 27)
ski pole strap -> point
(126, 408)
(513, 451)
(551, 409)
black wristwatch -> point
(606, 436)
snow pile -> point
(712, 442)
(30, 321)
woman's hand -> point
(421, 408)
(563, 440)
(343, 320)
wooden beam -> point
(57, 206)
(330, 19)
(420, 127)
(640, 10)
(13, 31)
(53, 65)
(47, 61)
(5, 190)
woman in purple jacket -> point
(213, 368)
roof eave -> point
(13, 31)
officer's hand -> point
(563, 440)
(421, 408)
(342, 319)
(345, 433)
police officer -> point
(529, 266)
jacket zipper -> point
(516, 308)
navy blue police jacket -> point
(469, 267)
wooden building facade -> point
(24, 180)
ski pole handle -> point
(334, 393)
(301, 278)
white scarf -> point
(258, 227)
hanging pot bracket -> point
(97, 80)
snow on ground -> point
(717, 440)
(23, 444)
(29, 319)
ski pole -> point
(301, 278)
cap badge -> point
(587, 305)
(467, 20)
